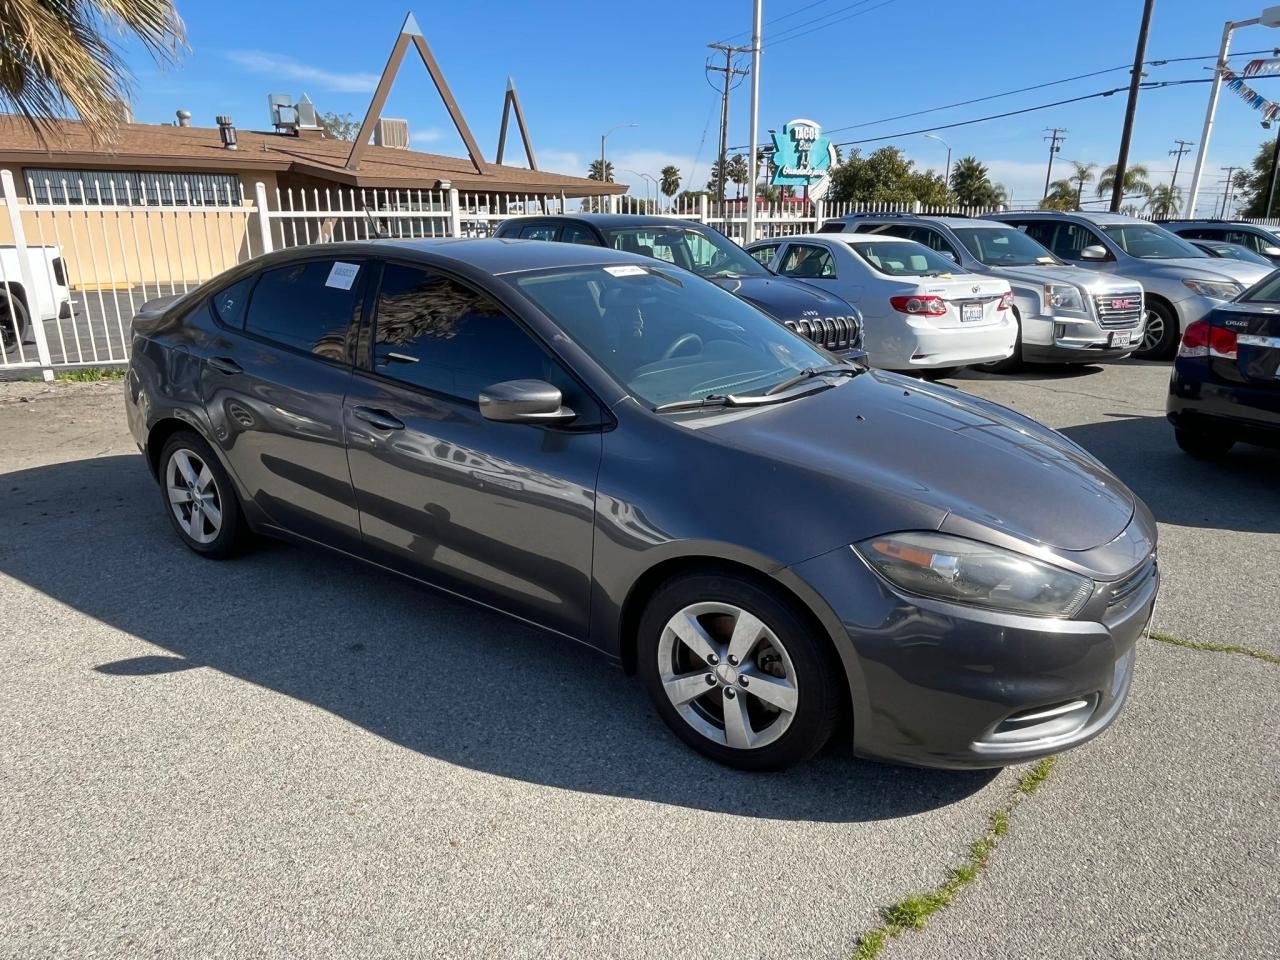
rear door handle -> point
(225, 365)
(377, 418)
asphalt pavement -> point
(292, 755)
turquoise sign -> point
(802, 156)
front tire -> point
(1159, 333)
(199, 498)
(14, 321)
(737, 673)
(1203, 446)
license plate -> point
(1121, 338)
(969, 312)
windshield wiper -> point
(808, 374)
(713, 400)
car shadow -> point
(1237, 492)
(431, 673)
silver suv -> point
(1182, 284)
(1261, 240)
(1065, 315)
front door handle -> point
(225, 365)
(377, 418)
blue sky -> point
(583, 67)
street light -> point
(934, 136)
(1270, 18)
(605, 136)
(651, 180)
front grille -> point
(834, 333)
(1118, 309)
(1122, 590)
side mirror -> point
(524, 401)
(950, 255)
(1271, 251)
(1095, 251)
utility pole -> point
(1184, 146)
(1056, 136)
(1131, 108)
(729, 71)
(756, 27)
(1226, 191)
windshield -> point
(1003, 247)
(1148, 242)
(903, 258)
(706, 253)
(668, 337)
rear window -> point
(229, 302)
(308, 306)
(903, 258)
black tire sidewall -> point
(1168, 342)
(818, 673)
(14, 322)
(229, 537)
(1202, 446)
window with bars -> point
(132, 188)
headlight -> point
(1217, 289)
(1063, 296)
(966, 571)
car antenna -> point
(379, 231)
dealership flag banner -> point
(1249, 95)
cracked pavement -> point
(291, 755)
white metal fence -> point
(72, 274)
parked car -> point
(1181, 283)
(817, 316)
(1230, 251)
(1225, 387)
(1252, 236)
(1064, 314)
(20, 304)
(620, 452)
(919, 310)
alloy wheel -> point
(1153, 331)
(193, 496)
(728, 675)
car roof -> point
(613, 221)
(923, 218)
(1093, 216)
(836, 238)
(491, 255)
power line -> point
(791, 34)
(788, 16)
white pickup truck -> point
(49, 297)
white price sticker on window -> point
(630, 270)
(342, 275)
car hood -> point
(969, 458)
(1088, 279)
(1209, 268)
(785, 299)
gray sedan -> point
(626, 455)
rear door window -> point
(764, 255)
(804, 261)
(310, 306)
(229, 303)
(538, 231)
(574, 233)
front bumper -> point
(943, 685)
(1065, 339)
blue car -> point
(1225, 387)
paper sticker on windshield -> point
(630, 270)
(342, 275)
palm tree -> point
(738, 171)
(1164, 201)
(1135, 181)
(669, 180)
(972, 186)
(1081, 173)
(594, 171)
(1061, 196)
(56, 57)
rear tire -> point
(737, 672)
(1203, 446)
(14, 321)
(199, 498)
(1160, 333)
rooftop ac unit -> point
(391, 133)
(284, 115)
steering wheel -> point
(680, 342)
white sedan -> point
(919, 311)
